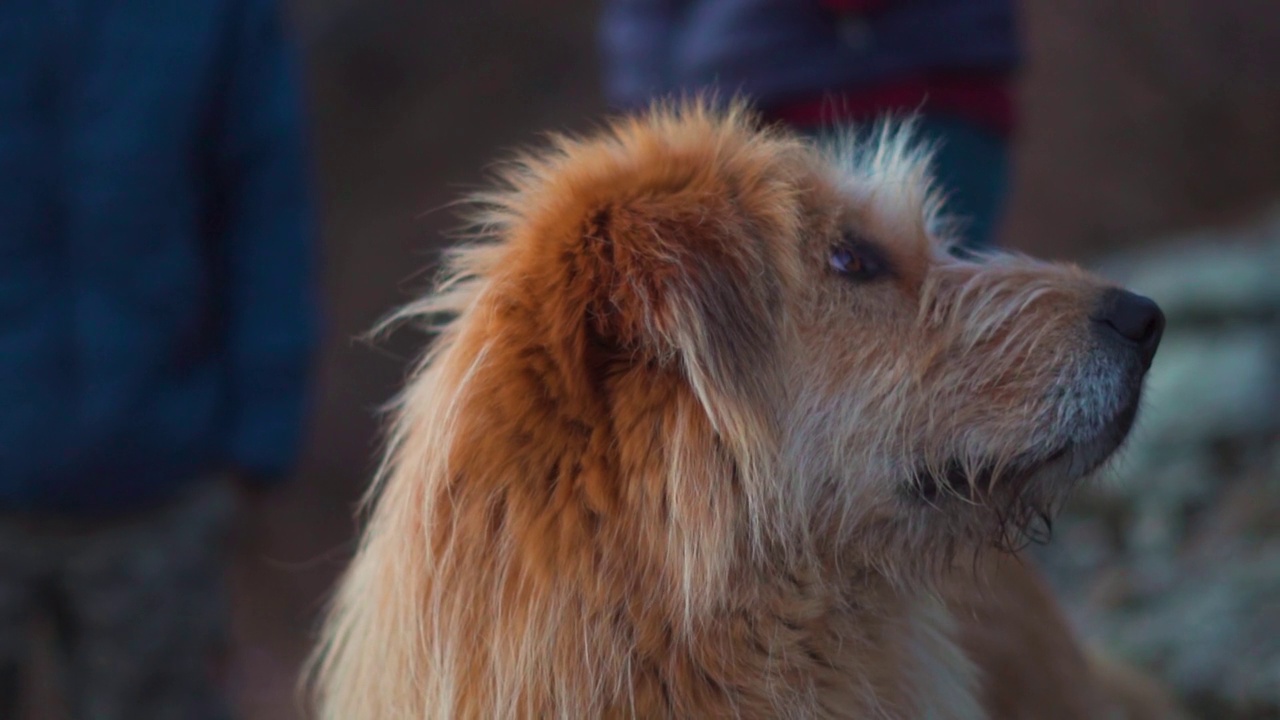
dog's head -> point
(687, 344)
(857, 375)
(785, 327)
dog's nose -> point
(1134, 318)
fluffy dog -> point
(718, 427)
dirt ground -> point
(1140, 117)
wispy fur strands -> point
(662, 461)
(421, 500)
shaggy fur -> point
(664, 461)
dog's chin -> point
(1025, 493)
(1068, 462)
(1079, 459)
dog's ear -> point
(666, 279)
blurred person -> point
(820, 65)
(156, 325)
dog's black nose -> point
(1133, 317)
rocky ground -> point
(1173, 561)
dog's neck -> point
(793, 642)
(944, 681)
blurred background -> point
(1148, 145)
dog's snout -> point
(1134, 318)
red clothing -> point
(985, 99)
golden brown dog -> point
(719, 428)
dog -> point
(717, 426)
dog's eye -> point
(855, 259)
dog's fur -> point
(664, 461)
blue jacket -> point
(156, 302)
(780, 50)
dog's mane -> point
(580, 469)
